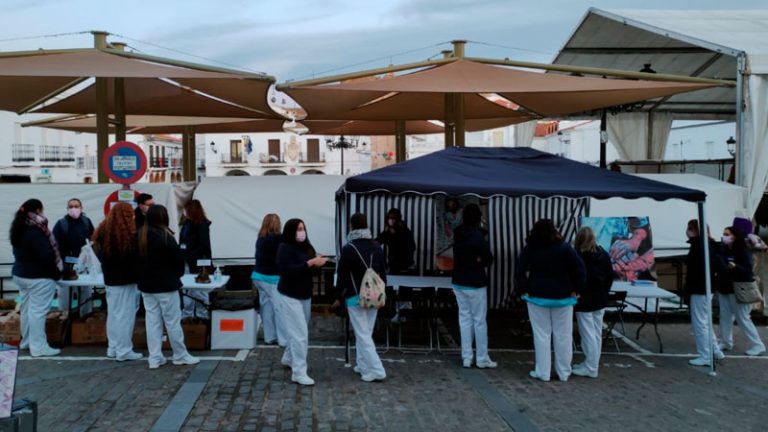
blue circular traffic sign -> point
(124, 162)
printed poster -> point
(629, 242)
(447, 219)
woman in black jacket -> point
(551, 275)
(356, 256)
(471, 256)
(71, 233)
(266, 276)
(36, 268)
(591, 306)
(195, 244)
(398, 243)
(160, 267)
(113, 244)
(295, 260)
(735, 260)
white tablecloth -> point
(642, 291)
(188, 282)
(396, 281)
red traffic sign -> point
(124, 162)
(122, 195)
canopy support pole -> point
(603, 138)
(120, 126)
(704, 236)
(458, 113)
(102, 126)
(188, 153)
(399, 141)
(740, 155)
(449, 120)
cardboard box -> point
(195, 335)
(10, 328)
(55, 328)
(91, 331)
(234, 329)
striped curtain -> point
(509, 220)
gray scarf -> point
(364, 233)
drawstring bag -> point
(372, 292)
(88, 262)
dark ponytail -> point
(20, 218)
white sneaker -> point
(188, 359)
(46, 352)
(130, 356)
(157, 365)
(755, 350)
(582, 371)
(357, 370)
(24, 345)
(467, 363)
(111, 353)
(489, 364)
(698, 361)
(373, 377)
(303, 380)
(719, 355)
(533, 374)
(287, 364)
(724, 347)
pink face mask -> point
(728, 240)
(301, 236)
(74, 212)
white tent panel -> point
(236, 206)
(669, 218)
(55, 197)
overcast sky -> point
(299, 39)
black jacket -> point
(197, 239)
(599, 281)
(35, 258)
(119, 268)
(350, 267)
(694, 263)
(399, 248)
(161, 269)
(471, 255)
(266, 252)
(71, 234)
(139, 218)
(295, 274)
(552, 272)
(742, 272)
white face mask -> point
(301, 236)
(690, 233)
(727, 240)
(74, 212)
(391, 222)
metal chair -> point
(614, 313)
(422, 303)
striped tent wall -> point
(510, 220)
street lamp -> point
(213, 147)
(731, 143)
(342, 144)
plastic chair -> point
(614, 313)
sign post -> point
(124, 162)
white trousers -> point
(163, 308)
(552, 325)
(700, 324)
(473, 307)
(36, 297)
(193, 308)
(295, 324)
(591, 332)
(363, 321)
(122, 305)
(267, 309)
(730, 309)
(85, 293)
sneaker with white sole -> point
(188, 359)
(157, 365)
(373, 377)
(303, 380)
(582, 371)
(755, 350)
(111, 353)
(24, 345)
(533, 374)
(698, 361)
(489, 364)
(357, 370)
(286, 363)
(130, 356)
(46, 352)
(724, 346)
(719, 355)
(467, 363)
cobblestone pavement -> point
(638, 389)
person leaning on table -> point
(36, 268)
(71, 232)
(113, 244)
(552, 275)
(295, 260)
(160, 266)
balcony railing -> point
(271, 159)
(23, 153)
(304, 159)
(230, 159)
(50, 153)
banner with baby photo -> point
(629, 242)
(447, 219)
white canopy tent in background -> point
(723, 44)
(55, 197)
(524, 133)
(237, 205)
(629, 133)
(669, 218)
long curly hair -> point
(115, 233)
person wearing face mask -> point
(195, 244)
(36, 268)
(735, 265)
(398, 243)
(143, 202)
(695, 279)
(71, 232)
(295, 260)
